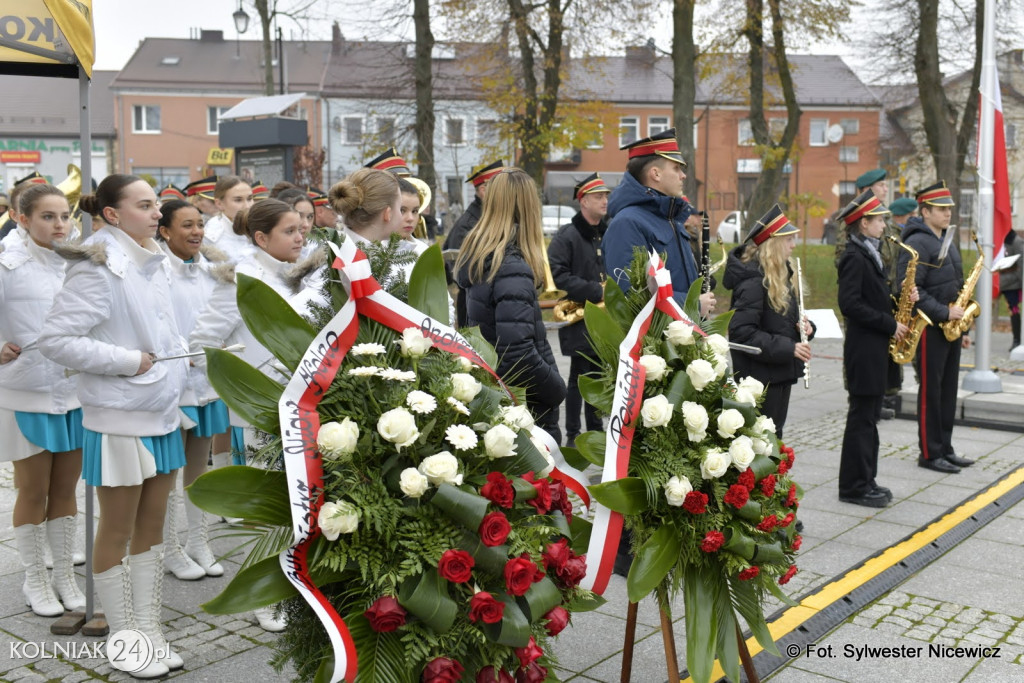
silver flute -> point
(801, 327)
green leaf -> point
(591, 446)
(748, 411)
(751, 511)
(491, 558)
(480, 345)
(653, 562)
(485, 404)
(738, 543)
(513, 630)
(680, 389)
(272, 320)
(260, 585)
(717, 324)
(768, 553)
(617, 306)
(692, 305)
(247, 492)
(602, 328)
(726, 646)
(671, 355)
(627, 495)
(586, 602)
(382, 657)
(596, 392)
(428, 288)
(325, 670)
(744, 598)
(427, 597)
(245, 390)
(526, 459)
(468, 509)
(763, 466)
(698, 597)
(573, 458)
(581, 530)
(539, 599)
(776, 590)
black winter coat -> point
(466, 222)
(508, 313)
(937, 286)
(756, 323)
(866, 304)
(577, 266)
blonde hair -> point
(511, 215)
(779, 277)
(362, 197)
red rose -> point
(783, 466)
(483, 607)
(535, 673)
(695, 502)
(737, 495)
(494, 529)
(768, 523)
(557, 554)
(784, 579)
(489, 674)
(443, 670)
(529, 654)
(787, 520)
(749, 573)
(455, 565)
(385, 615)
(498, 490)
(519, 573)
(768, 486)
(791, 498)
(558, 619)
(560, 499)
(573, 571)
(543, 500)
(747, 479)
(797, 540)
(713, 540)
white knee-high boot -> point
(175, 559)
(31, 539)
(197, 547)
(114, 589)
(147, 600)
(77, 556)
(61, 534)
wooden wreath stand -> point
(668, 639)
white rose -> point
(337, 439)
(715, 463)
(679, 333)
(728, 422)
(517, 416)
(695, 419)
(337, 518)
(399, 427)
(676, 489)
(465, 387)
(461, 437)
(370, 349)
(701, 373)
(720, 366)
(744, 395)
(761, 446)
(718, 343)
(543, 449)
(763, 423)
(742, 452)
(413, 343)
(421, 402)
(656, 411)
(655, 367)
(439, 468)
(753, 386)
(413, 483)
(465, 363)
(500, 442)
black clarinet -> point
(705, 252)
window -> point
(629, 130)
(595, 140)
(818, 131)
(386, 130)
(777, 128)
(1011, 135)
(454, 132)
(746, 134)
(352, 130)
(163, 175)
(488, 133)
(213, 115)
(696, 136)
(656, 124)
(850, 126)
(965, 206)
(146, 118)
(454, 186)
(849, 154)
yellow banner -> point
(47, 32)
(220, 157)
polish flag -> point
(1002, 222)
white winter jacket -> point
(116, 305)
(30, 277)
(218, 231)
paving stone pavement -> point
(973, 596)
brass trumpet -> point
(569, 312)
(423, 190)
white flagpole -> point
(981, 379)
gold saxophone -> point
(954, 329)
(903, 350)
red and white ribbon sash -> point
(626, 401)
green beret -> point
(870, 178)
(902, 206)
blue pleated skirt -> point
(54, 433)
(237, 446)
(113, 460)
(211, 419)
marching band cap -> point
(589, 185)
(868, 179)
(935, 195)
(33, 178)
(317, 196)
(484, 172)
(259, 191)
(203, 187)
(171, 192)
(902, 206)
(866, 204)
(772, 224)
(664, 144)
(390, 161)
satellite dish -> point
(834, 133)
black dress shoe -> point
(938, 465)
(875, 499)
(958, 461)
(881, 489)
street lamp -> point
(241, 25)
